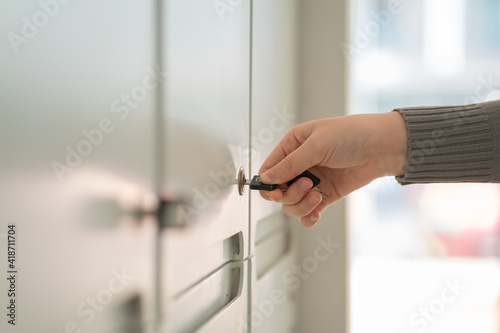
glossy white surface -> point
(206, 122)
(218, 303)
(74, 236)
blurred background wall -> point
(409, 243)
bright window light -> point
(444, 36)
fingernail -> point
(313, 219)
(305, 185)
(313, 200)
(268, 177)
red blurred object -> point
(472, 242)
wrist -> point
(391, 136)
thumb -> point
(291, 166)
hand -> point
(346, 153)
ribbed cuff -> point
(452, 144)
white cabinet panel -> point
(206, 121)
(273, 241)
(274, 93)
(270, 251)
(274, 280)
(219, 303)
(274, 297)
(77, 154)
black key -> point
(307, 174)
(256, 183)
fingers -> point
(305, 206)
(299, 160)
(299, 201)
(275, 195)
(286, 145)
(292, 195)
(311, 219)
(296, 192)
(293, 155)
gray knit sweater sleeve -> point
(453, 144)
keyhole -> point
(241, 180)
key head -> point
(307, 174)
(256, 184)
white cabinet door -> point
(76, 146)
(274, 93)
(206, 122)
(273, 236)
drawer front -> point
(275, 239)
(274, 277)
(274, 302)
(184, 269)
(218, 303)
